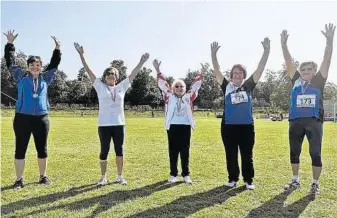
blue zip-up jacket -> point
(26, 103)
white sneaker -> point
(103, 181)
(121, 180)
(250, 187)
(172, 179)
(231, 184)
(188, 180)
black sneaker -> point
(18, 184)
(44, 180)
(314, 188)
(295, 184)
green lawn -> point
(74, 169)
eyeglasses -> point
(309, 69)
(179, 86)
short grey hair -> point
(314, 65)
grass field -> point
(74, 169)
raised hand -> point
(79, 48)
(284, 37)
(10, 36)
(156, 65)
(144, 58)
(329, 32)
(57, 42)
(266, 43)
(214, 48)
(203, 68)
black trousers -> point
(24, 125)
(237, 137)
(105, 134)
(179, 137)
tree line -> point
(273, 91)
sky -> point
(178, 33)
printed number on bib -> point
(306, 101)
(239, 97)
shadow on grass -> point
(10, 187)
(36, 201)
(275, 206)
(107, 201)
(188, 205)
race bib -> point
(306, 101)
(239, 97)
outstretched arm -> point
(329, 33)
(216, 72)
(262, 64)
(54, 62)
(196, 85)
(15, 70)
(139, 66)
(56, 57)
(162, 84)
(80, 51)
(287, 57)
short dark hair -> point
(32, 59)
(241, 67)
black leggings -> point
(313, 129)
(24, 125)
(235, 137)
(105, 134)
(179, 137)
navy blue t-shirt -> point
(306, 98)
(238, 102)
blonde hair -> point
(111, 69)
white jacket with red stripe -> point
(171, 100)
